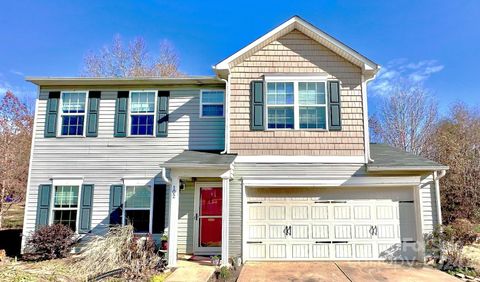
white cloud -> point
(401, 70)
(19, 73)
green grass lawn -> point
(14, 217)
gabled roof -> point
(367, 65)
(388, 158)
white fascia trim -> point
(366, 128)
(367, 64)
(66, 180)
(138, 181)
(333, 182)
(294, 77)
(301, 159)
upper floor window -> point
(142, 113)
(296, 105)
(72, 115)
(211, 103)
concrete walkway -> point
(340, 271)
(191, 271)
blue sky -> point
(436, 43)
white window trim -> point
(135, 181)
(61, 114)
(201, 103)
(66, 182)
(296, 105)
(129, 119)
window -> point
(280, 105)
(296, 104)
(138, 207)
(65, 206)
(72, 113)
(211, 104)
(312, 100)
(142, 113)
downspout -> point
(164, 176)
(366, 138)
(437, 178)
(227, 114)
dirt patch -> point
(11, 241)
(234, 272)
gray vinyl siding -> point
(186, 216)
(429, 207)
(104, 160)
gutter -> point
(437, 178)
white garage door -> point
(302, 229)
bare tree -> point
(456, 143)
(133, 60)
(16, 123)
(406, 119)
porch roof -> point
(388, 158)
(199, 159)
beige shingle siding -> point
(296, 53)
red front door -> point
(210, 218)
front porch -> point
(199, 198)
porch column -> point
(225, 216)
(173, 221)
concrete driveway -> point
(340, 271)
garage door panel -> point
(257, 231)
(362, 212)
(320, 231)
(342, 232)
(386, 231)
(276, 231)
(300, 213)
(341, 212)
(257, 213)
(343, 251)
(300, 251)
(363, 251)
(321, 251)
(319, 212)
(363, 232)
(385, 212)
(256, 251)
(277, 251)
(277, 213)
(299, 232)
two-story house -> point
(269, 159)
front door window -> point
(210, 217)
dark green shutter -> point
(257, 101)
(121, 114)
(86, 203)
(162, 113)
(51, 114)
(159, 197)
(43, 205)
(92, 116)
(116, 204)
(334, 110)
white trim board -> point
(302, 159)
(365, 181)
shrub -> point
(53, 241)
(120, 248)
(446, 243)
